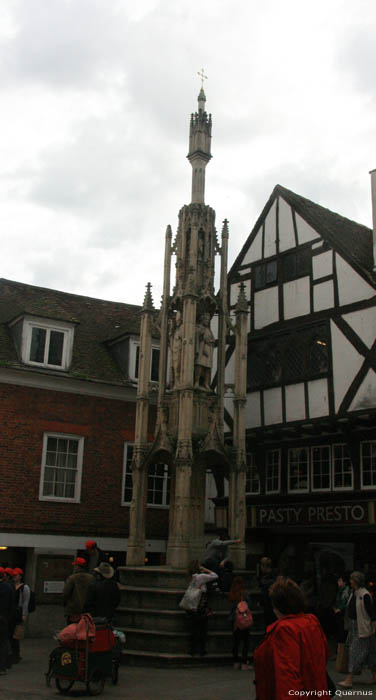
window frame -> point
(251, 466)
(262, 269)
(44, 324)
(267, 465)
(79, 467)
(127, 473)
(363, 486)
(134, 361)
(330, 469)
(299, 490)
(342, 488)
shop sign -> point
(53, 586)
(306, 514)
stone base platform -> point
(156, 629)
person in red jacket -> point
(292, 656)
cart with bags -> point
(87, 653)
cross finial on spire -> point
(202, 76)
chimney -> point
(373, 191)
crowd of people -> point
(14, 610)
(291, 657)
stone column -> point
(137, 513)
(237, 503)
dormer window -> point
(45, 343)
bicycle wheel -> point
(63, 685)
(95, 684)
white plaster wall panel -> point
(270, 247)
(365, 397)
(318, 400)
(295, 402)
(351, 286)
(323, 296)
(266, 307)
(322, 265)
(244, 272)
(296, 297)
(273, 406)
(229, 405)
(346, 364)
(363, 322)
(254, 252)
(253, 410)
(234, 293)
(286, 226)
(230, 370)
(305, 232)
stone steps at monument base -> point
(144, 658)
(164, 577)
(157, 642)
(176, 620)
(164, 598)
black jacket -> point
(102, 598)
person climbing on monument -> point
(204, 352)
(216, 551)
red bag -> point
(85, 628)
(82, 630)
(243, 616)
(68, 634)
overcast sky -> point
(96, 97)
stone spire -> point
(199, 148)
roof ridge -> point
(67, 294)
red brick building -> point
(68, 382)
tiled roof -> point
(96, 322)
(353, 241)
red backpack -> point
(243, 616)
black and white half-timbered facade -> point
(311, 385)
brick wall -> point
(25, 415)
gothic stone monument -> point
(189, 434)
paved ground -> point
(26, 681)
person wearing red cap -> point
(75, 589)
(11, 612)
(6, 609)
(22, 605)
(94, 555)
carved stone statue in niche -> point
(176, 341)
(204, 352)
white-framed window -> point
(134, 361)
(273, 471)
(252, 479)
(298, 469)
(321, 468)
(368, 464)
(343, 474)
(47, 343)
(158, 487)
(61, 471)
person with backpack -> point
(22, 606)
(242, 621)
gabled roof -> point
(96, 322)
(350, 239)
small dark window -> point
(319, 356)
(297, 264)
(38, 342)
(271, 272)
(259, 276)
(294, 362)
(55, 350)
(154, 372)
(265, 274)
